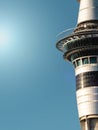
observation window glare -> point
(78, 62)
(85, 61)
(93, 60)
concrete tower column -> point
(88, 10)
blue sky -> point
(37, 87)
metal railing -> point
(65, 33)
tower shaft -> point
(81, 49)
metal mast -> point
(81, 48)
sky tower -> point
(81, 49)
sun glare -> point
(4, 38)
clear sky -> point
(37, 87)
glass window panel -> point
(78, 62)
(94, 124)
(93, 60)
(85, 61)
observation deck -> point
(78, 42)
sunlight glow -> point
(4, 37)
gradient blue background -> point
(37, 87)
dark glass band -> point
(87, 79)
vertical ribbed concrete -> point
(81, 49)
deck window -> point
(93, 60)
(85, 61)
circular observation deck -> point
(81, 43)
